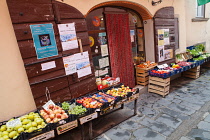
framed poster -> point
(44, 40)
(161, 53)
(168, 54)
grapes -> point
(65, 106)
(77, 109)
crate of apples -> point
(89, 102)
(53, 114)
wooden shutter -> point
(164, 19)
(62, 87)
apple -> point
(52, 116)
(1, 138)
(25, 121)
(3, 128)
(58, 115)
(9, 129)
(55, 120)
(34, 124)
(21, 129)
(59, 111)
(31, 117)
(38, 121)
(13, 134)
(62, 111)
(5, 133)
(46, 116)
(55, 111)
(48, 120)
(6, 137)
(18, 126)
(28, 126)
(51, 106)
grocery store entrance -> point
(117, 42)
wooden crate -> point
(159, 85)
(142, 75)
(192, 73)
(66, 127)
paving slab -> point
(169, 120)
(193, 106)
(149, 112)
(207, 119)
(199, 134)
(147, 134)
(185, 138)
(118, 134)
(204, 125)
(175, 113)
(130, 125)
(181, 109)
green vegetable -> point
(65, 106)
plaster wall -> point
(15, 95)
(197, 32)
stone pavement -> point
(184, 114)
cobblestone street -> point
(184, 114)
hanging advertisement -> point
(160, 37)
(166, 37)
(68, 36)
(44, 40)
(161, 53)
(102, 38)
(69, 64)
(82, 64)
(168, 54)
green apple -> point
(39, 121)
(6, 137)
(18, 126)
(39, 126)
(25, 121)
(34, 124)
(21, 129)
(28, 126)
(13, 134)
(9, 129)
(5, 133)
(11, 119)
(3, 128)
(31, 117)
(31, 129)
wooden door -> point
(164, 19)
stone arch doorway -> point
(98, 27)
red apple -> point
(55, 120)
(62, 111)
(48, 120)
(46, 116)
(52, 116)
(58, 115)
(51, 106)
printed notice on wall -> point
(160, 37)
(161, 53)
(68, 36)
(69, 64)
(103, 62)
(166, 37)
(82, 64)
(104, 50)
(168, 54)
(132, 34)
(44, 40)
(48, 65)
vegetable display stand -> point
(142, 75)
(192, 73)
(159, 86)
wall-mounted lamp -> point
(156, 3)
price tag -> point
(165, 65)
(47, 104)
(160, 66)
(13, 123)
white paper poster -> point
(48, 65)
(82, 64)
(166, 37)
(68, 36)
(69, 64)
(104, 50)
(101, 72)
(103, 62)
(161, 53)
(160, 37)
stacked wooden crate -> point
(192, 73)
(142, 76)
(159, 85)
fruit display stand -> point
(142, 75)
(192, 73)
(159, 85)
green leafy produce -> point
(77, 109)
(193, 52)
(65, 106)
(200, 48)
(198, 59)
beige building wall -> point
(197, 32)
(15, 95)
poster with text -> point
(68, 36)
(103, 62)
(69, 64)
(166, 37)
(160, 37)
(44, 40)
(168, 54)
(82, 64)
(161, 53)
(104, 50)
(102, 38)
(132, 34)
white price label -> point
(47, 104)
(13, 123)
(48, 65)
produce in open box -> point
(27, 123)
(89, 102)
(102, 97)
(73, 108)
(53, 114)
(120, 91)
